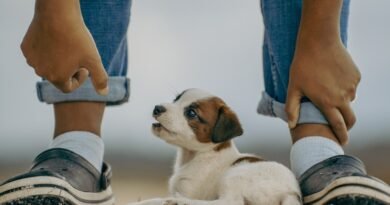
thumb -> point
(292, 108)
(74, 82)
(99, 76)
(79, 77)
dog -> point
(209, 170)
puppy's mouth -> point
(157, 126)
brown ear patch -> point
(250, 159)
(227, 125)
(215, 123)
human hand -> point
(60, 48)
(329, 78)
(322, 69)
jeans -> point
(108, 20)
(281, 23)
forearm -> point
(322, 70)
(60, 48)
(320, 22)
(52, 9)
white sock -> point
(85, 144)
(311, 150)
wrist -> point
(320, 23)
(58, 10)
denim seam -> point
(271, 109)
(274, 69)
(273, 66)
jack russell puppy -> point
(209, 170)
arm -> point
(322, 69)
(60, 48)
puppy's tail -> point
(292, 199)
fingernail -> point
(103, 91)
(291, 124)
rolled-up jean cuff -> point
(119, 92)
(308, 112)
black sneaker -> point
(59, 176)
(342, 180)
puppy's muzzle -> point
(158, 110)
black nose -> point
(158, 109)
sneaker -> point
(342, 180)
(59, 176)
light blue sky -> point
(176, 44)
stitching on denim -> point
(273, 65)
(271, 108)
(274, 72)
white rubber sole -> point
(353, 185)
(52, 186)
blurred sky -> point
(179, 44)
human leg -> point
(72, 170)
(314, 141)
(281, 22)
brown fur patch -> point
(250, 159)
(222, 146)
(216, 122)
(208, 115)
(227, 126)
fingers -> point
(80, 76)
(348, 115)
(337, 123)
(72, 83)
(293, 104)
(98, 76)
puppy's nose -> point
(158, 110)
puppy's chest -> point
(196, 182)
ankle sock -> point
(311, 150)
(85, 144)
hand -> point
(60, 48)
(322, 69)
(329, 78)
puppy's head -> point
(196, 120)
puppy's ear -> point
(227, 125)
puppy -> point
(209, 170)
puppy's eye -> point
(191, 114)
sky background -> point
(180, 44)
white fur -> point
(203, 176)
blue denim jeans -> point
(281, 22)
(107, 20)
